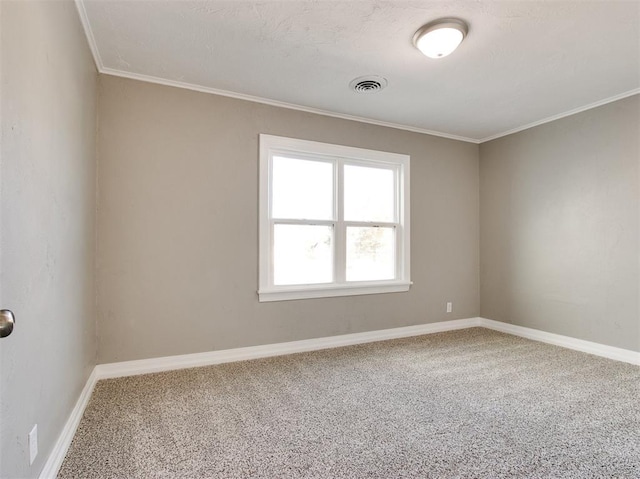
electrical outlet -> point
(33, 444)
(449, 307)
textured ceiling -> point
(522, 62)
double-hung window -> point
(334, 220)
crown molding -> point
(292, 106)
(280, 104)
(241, 96)
(82, 13)
(575, 111)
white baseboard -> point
(54, 461)
(168, 363)
(154, 365)
(610, 352)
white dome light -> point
(440, 38)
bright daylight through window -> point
(334, 220)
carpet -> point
(473, 403)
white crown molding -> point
(291, 106)
(343, 116)
(597, 349)
(57, 455)
(575, 111)
(84, 19)
(168, 363)
(240, 96)
(280, 104)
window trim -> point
(339, 155)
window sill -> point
(287, 293)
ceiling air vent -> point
(368, 84)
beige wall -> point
(560, 226)
(47, 172)
(178, 225)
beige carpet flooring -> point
(463, 404)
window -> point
(334, 220)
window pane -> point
(369, 194)
(302, 254)
(302, 189)
(370, 253)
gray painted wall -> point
(178, 226)
(177, 252)
(48, 224)
(559, 222)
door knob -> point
(7, 320)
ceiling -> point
(522, 63)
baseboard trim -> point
(154, 365)
(597, 349)
(168, 363)
(54, 461)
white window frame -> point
(271, 146)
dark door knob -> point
(7, 320)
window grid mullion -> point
(371, 224)
(340, 254)
(289, 221)
(399, 234)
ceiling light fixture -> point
(440, 37)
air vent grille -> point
(368, 84)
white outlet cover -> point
(33, 444)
